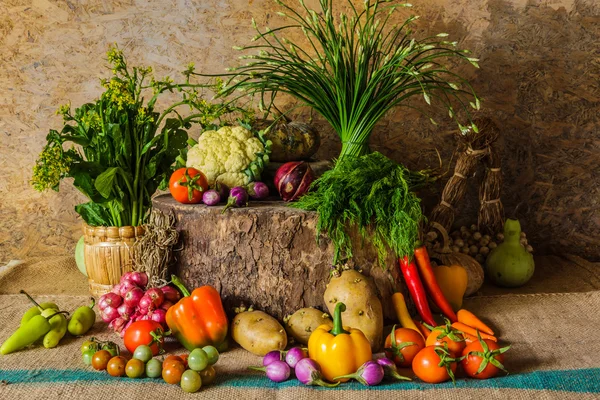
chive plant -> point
(353, 69)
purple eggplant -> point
(238, 197)
(211, 197)
(277, 371)
(222, 189)
(271, 356)
(294, 355)
(258, 190)
(369, 374)
(309, 373)
(390, 369)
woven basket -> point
(107, 253)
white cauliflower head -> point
(224, 155)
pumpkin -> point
(291, 140)
(446, 256)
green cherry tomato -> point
(212, 353)
(89, 345)
(135, 368)
(190, 381)
(87, 356)
(198, 360)
(208, 375)
(154, 368)
(112, 348)
(143, 353)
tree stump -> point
(265, 255)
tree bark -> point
(266, 255)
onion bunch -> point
(130, 301)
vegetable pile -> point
(130, 301)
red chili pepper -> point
(415, 287)
(431, 284)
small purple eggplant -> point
(258, 190)
(222, 189)
(211, 197)
(309, 373)
(369, 374)
(238, 197)
(271, 356)
(277, 371)
(294, 355)
(390, 369)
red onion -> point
(127, 325)
(126, 287)
(171, 294)
(145, 304)
(117, 289)
(271, 356)
(109, 299)
(117, 324)
(277, 371)
(132, 298)
(293, 179)
(166, 305)
(158, 316)
(390, 369)
(126, 277)
(109, 313)
(211, 198)
(139, 278)
(238, 197)
(156, 295)
(309, 372)
(294, 355)
(126, 311)
(369, 374)
(258, 190)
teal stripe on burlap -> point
(579, 381)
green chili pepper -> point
(82, 320)
(58, 328)
(35, 310)
(27, 334)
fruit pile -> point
(129, 301)
(190, 371)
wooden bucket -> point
(107, 253)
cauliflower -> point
(232, 156)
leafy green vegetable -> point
(373, 194)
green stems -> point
(338, 327)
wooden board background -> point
(539, 79)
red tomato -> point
(187, 185)
(426, 365)
(400, 350)
(487, 355)
(446, 334)
(140, 332)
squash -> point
(446, 256)
(291, 141)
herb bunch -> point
(353, 69)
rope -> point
(459, 175)
(446, 204)
(490, 201)
(495, 169)
(476, 153)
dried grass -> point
(491, 210)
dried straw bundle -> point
(472, 147)
(153, 252)
(491, 210)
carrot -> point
(402, 312)
(469, 338)
(422, 328)
(471, 331)
(468, 318)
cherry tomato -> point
(90, 345)
(483, 359)
(191, 381)
(116, 366)
(171, 359)
(446, 334)
(198, 360)
(140, 333)
(184, 358)
(426, 365)
(88, 356)
(212, 353)
(402, 345)
(153, 368)
(172, 372)
(100, 359)
(135, 368)
(187, 185)
(208, 375)
(112, 348)
(143, 353)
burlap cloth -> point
(548, 332)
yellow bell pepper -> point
(338, 350)
(453, 282)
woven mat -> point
(553, 355)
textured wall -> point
(539, 80)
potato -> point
(258, 332)
(303, 322)
(363, 307)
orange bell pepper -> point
(198, 319)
